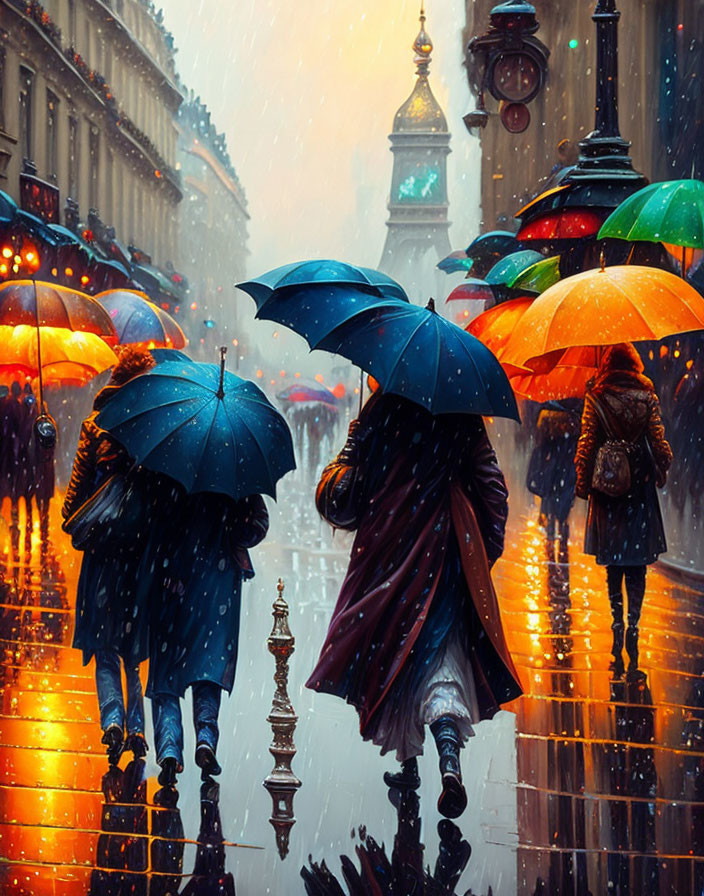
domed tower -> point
(417, 235)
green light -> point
(573, 44)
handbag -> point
(612, 467)
(114, 515)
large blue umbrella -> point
(204, 427)
(321, 273)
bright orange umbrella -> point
(623, 303)
(566, 380)
(68, 357)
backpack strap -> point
(601, 414)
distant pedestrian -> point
(622, 458)
(551, 471)
(110, 625)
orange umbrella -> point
(624, 303)
(68, 357)
(566, 380)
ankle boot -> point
(453, 798)
(632, 647)
(617, 648)
(407, 779)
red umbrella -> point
(472, 290)
(564, 224)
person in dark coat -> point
(551, 471)
(195, 625)
(110, 624)
(15, 474)
(624, 533)
(416, 637)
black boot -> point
(206, 761)
(632, 650)
(453, 799)
(113, 740)
(407, 779)
(170, 767)
(617, 649)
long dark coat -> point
(429, 504)
(625, 530)
(10, 423)
(195, 624)
(551, 471)
(108, 615)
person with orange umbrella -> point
(622, 457)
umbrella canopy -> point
(563, 381)
(488, 248)
(50, 305)
(472, 290)
(302, 391)
(495, 326)
(67, 357)
(456, 261)
(416, 353)
(139, 321)
(508, 268)
(624, 303)
(669, 212)
(321, 273)
(564, 224)
(539, 276)
(204, 427)
(169, 354)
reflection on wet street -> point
(610, 769)
(599, 790)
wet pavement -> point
(600, 782)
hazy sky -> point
(306, 93)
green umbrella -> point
(539, 276)
(670, 212)
(511, 266)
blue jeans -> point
(168, 724)
(108, 683)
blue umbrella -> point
(321, 273)
(204, 427)
(495, 244)
(455, 262)
(414, 352)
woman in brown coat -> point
(110, 623)
(625, 533)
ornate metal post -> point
(282, 784)
(605, 154)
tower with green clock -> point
(417, 227)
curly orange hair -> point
(132, 360)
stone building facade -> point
(661, 104)
(213, 221)
(88, 93)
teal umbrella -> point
(509, 267)
(203, 426)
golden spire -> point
(422, 46)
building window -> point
(72, 22)
(94, 153)
(52, 136)
(2, 89)
(26, 87)
(73, 158)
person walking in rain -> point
(110, 624)
(551, 471)
(416, 637)
(624, 526)
(195, 625)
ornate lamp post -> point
(282, 784)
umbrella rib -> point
(405, 346)
(197, 466)
(170, 434)
(135, 415)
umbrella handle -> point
(39, 345)
(221, 386)
(361, 390)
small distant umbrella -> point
(472, 290)
(139, 321)
(539, 276)
(507, 269)
(204, 427)
(299, 392)
(671, 212)
(488, 248)
(455, 262)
